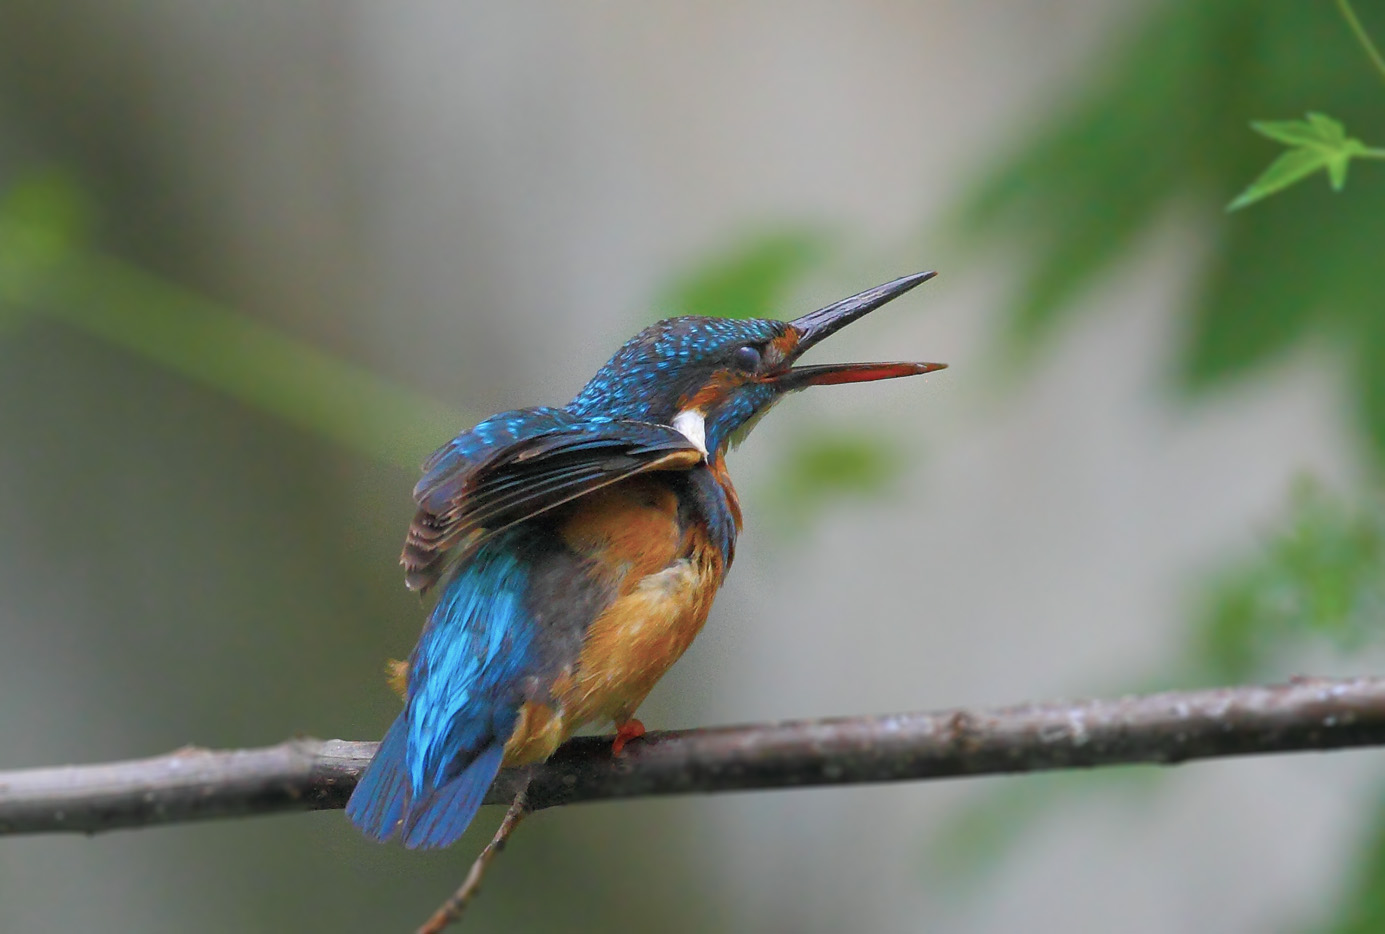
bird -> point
(578, 550)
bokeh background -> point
(258, 258)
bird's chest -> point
(641, 634)
(654, 543)
(663, 563)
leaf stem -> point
(1350, 16)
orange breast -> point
(664, 579)
(641, 635)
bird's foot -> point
(630, 729)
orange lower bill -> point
(829, 374)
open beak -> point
(815, 326)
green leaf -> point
(1330, 131)
(1288, 132)
(1292, 166)
(1081, 190)
(1337, 170)
(1319, 143)
(1160, 120)
(1319, 130)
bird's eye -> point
(746, 358)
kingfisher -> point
(578, 550)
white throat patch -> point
(692, 424)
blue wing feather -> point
(475, 445)
(518, 465)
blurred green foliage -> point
(1319, 143)
(253, 363)
(1161, 121)
(826, 464)
(1321, 574)
(43, 221)
(1316, 580)
(974, 840)
(751, 279)
(47, 267)
(839, 460)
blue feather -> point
(381, 795)
(464, 686)
(473, 446)
(446, 813)
(650, 373)
(466, 683)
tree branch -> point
(310, 774)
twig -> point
(310, 774)
(451, 910)
(1349, 14)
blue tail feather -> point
(444, 814)
(467, 681)
(382, 794)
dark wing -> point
(554, 459)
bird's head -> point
(712, 377)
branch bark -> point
(310, 774)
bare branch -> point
(310, 774)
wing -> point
(528, 463)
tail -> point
(381, 799)
(444, 814)
(382, 794)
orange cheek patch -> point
(782, 346)
(717, 388)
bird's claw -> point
(630, 729)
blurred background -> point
(257, 259)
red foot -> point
(630, 729)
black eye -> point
(746, 358)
